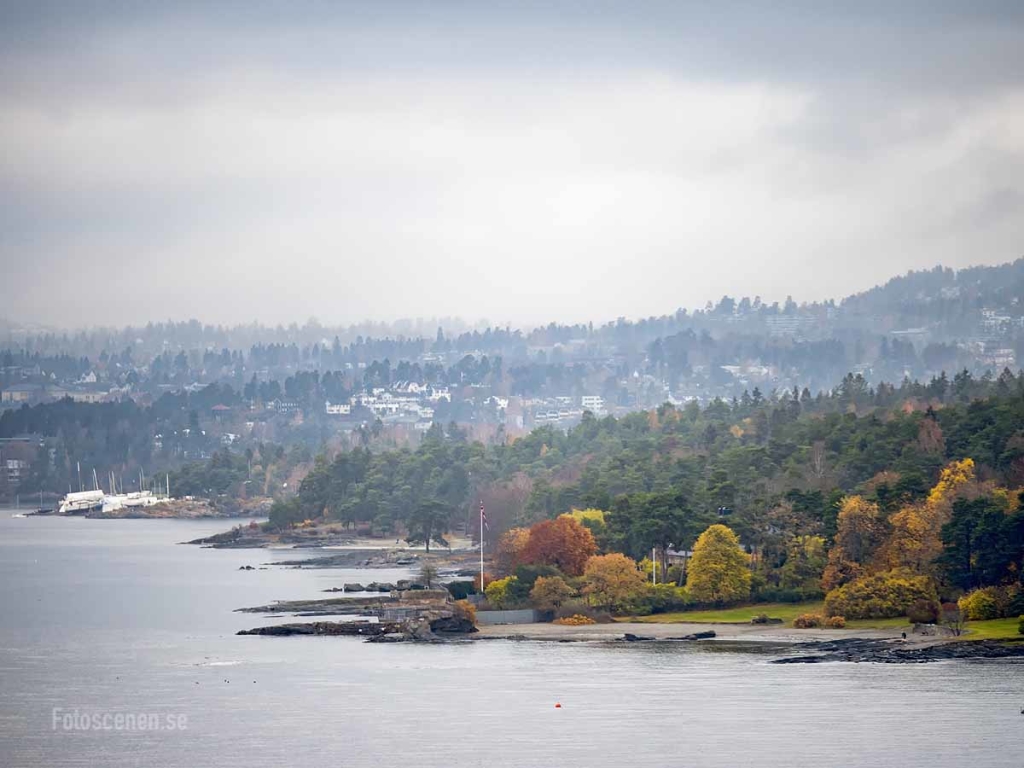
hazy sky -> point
(519, 162)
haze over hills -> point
(190, 389)
(944, 299)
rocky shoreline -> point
(428, 616)
(896, 652)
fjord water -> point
(105, 616)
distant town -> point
(188, 390)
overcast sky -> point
(510, 161)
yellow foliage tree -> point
(497, 592)
(589, 518)
(858, 534)
(719, 570)
(955, 476)
(915, 539)
(612, 581)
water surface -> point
(112, 616)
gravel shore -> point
(723, 632)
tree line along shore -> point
(868, 514)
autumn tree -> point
(915, 537)
(500, 592)
(930, 439)
(859, 532)
(952, 479)
(509, 551)
(719, 570)
(913, 540)
(550, 592)
(561, 542)
(612, 581)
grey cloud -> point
(524, 161)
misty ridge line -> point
(425, 328)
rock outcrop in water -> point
(347, 628)
(430, 627)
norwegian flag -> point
(483, 516)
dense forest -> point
(908, 490)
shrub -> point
(808, 621)
(464, 609)
(674, 575)
(923, 612)
(661, 599)
(550, 592)
(576, 620)
(780, 595)
(1020, 625)
(761, 618)
(835, 622)
(953, 618)
(979, 605)
(881, 596)
(578, 608)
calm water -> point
(113, 617)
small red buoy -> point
(558, 705)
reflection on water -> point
(112, 616)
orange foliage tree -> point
(561, 542)
(508, 554)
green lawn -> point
(899, 622)
(742, 615)
(993, 629)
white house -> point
(439, 393)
